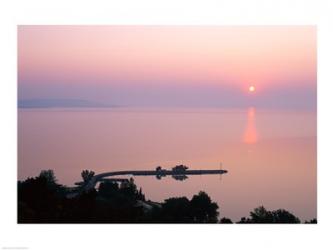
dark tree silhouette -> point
(38, 198)
(141, 196)
(49, 176)
(87, 175)
(200, 209)
(261, 215)
(283, 216)
(203, 209)
(244, 220)
(225, 220)
(108, 189)
(312, 221)
(43, 200)
(176, 210)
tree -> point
(176, 210)
(129, 190)
(203, 209)
(283, 216)
(141, 196)
(108, 189)
(225, 220)
(313, 221)
(244, 220)
(38, 198)
(87, 175)
(49, 176)
(261, 215)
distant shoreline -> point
(61, 103)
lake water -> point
(270, 155)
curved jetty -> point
(179, 172)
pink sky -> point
(101, 58)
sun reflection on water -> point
(250, 135)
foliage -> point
(200, 209)
(43, 200)
(225, 220)
(176, 210)
(38, 198)
(283, 216)
(261, 215)
(312, 221)
(87, 175)
(204, 210)
(49, 176)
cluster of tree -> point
(43, 200)
(200, 209)
(261, 215)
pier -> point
(179, 172)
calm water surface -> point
(270, 155)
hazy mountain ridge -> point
(61, 103)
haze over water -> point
(270, 155)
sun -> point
(252, 89)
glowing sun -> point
(252, 89)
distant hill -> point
(60, 103)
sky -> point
(169, 66)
